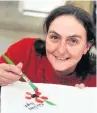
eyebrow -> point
(78, 36)
(71, 36)
(54, 33)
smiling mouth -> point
(62, 58)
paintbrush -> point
(9, 61)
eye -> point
(54, 38)
(72, 41)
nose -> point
(62, 49)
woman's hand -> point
(81, 85)
(10, 73)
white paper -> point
(68, 99)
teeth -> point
(60, 58)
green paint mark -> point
(50, 103)
(9, 61)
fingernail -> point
(21, 73)
(82, 85)
(76, 85)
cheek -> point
(50, 48)
(77, 52)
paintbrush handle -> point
(29, 82)
(9, 61)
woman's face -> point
(66, 42)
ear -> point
(88, 46)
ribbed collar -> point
(57, 77)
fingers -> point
(20, 65)
(81, 85)
(10, 73)
(11, 68)
(5, 81)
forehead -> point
(67, 23)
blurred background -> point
(19, 19)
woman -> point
(63, 58)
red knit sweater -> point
(38, 69)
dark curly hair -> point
(84, 66)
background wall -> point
(14, 26)
(85, 4)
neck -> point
(67, 72)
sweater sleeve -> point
(19, 51)
(90, 81)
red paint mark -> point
(44, 98)
(38, 100)
(27, 97)
(28, 93)
(37, 93)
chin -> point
(59, 68)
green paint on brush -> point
(28, 81)
(9, 61)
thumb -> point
(81, 85)
(20, 65)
